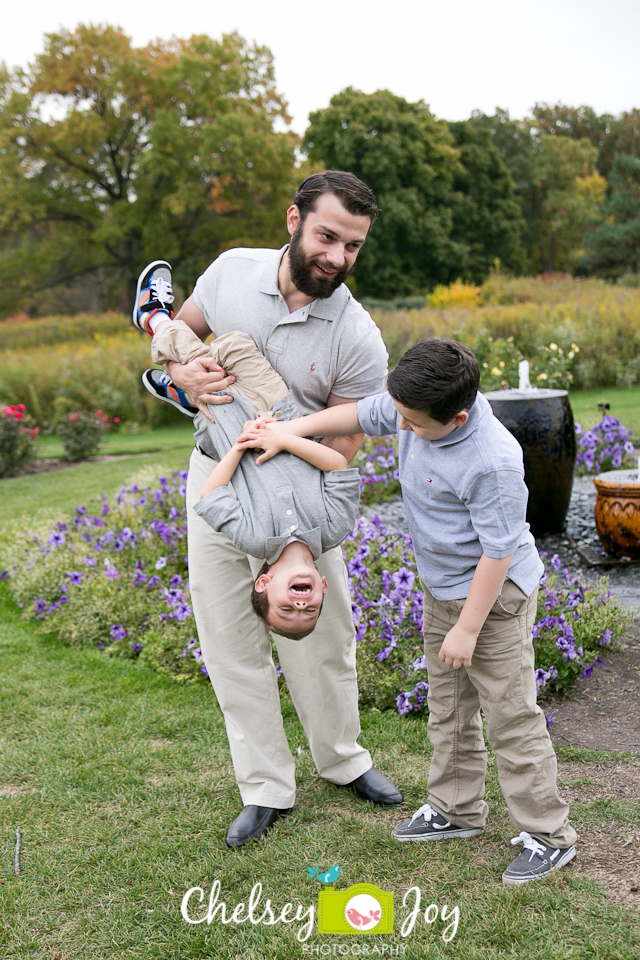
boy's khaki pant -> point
(501, 681)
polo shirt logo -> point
(312, 367)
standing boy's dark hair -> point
(356, 197)
(439, 377)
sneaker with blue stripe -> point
(160, 385)
(154, 294)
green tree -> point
(487, 218)
(408, 159)
(569, 192)
(112, 155)
(614, 243)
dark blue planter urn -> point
(542, 423)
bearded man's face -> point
(324, 247)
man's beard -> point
(300, 266)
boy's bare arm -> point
(348, 445)
(458, 645)
(271, 440)
(223, 471)
(338, 420)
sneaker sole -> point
(510, 881)
(445, 835)
(134, 313)
(173, 403)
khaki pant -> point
(501, 681)
(236, 352)
(320, 670)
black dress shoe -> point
(375, 787)
(252, 823)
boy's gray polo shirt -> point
(465, 495)
(329, 346)
(281, 498)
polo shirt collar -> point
(275, 545)
(330, 308)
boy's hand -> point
(263, 438)
(457, 647)
(258, 424)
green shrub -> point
(18, 435)
(82, 433)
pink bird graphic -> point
(358, 920)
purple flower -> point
(136, 647)
(105, 509)
(90, 561)
(549, 718)
(4, 575)
(160, 563)
(118, 632)
(605, 638)
(56, 539)
(153, 581)
(111, 572)
(81, 511)
(75, 577)
(555, 562)
(175, 580)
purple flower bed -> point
(117, 578)
(604, 447)
(378, 465)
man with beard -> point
(295, 306)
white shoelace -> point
(427, 811)
(529, 843)
(162, 290)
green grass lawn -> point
(624, 401)
(63, 490)
(164, 438)
(121, 785)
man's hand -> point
(198, 379)
(263, 437)
(457, 647)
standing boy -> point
(463, 486)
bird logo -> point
(359, 920)
(330, 876)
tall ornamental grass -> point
(601, 319)
(22, 333)
(103, 373)
(116, 577)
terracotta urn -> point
(618, 512)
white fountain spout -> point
(523, 372)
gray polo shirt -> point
(465, 495)
(329, 346)
(281, 498)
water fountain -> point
(541, 420)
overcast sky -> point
(457, 56)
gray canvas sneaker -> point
(426, 824)
(536, 861)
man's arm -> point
(203, 374)
(458, 645)
(347, 444)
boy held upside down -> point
(289, 505)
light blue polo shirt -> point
(465, 495)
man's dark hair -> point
(260, 605)
(439, 377)
(356, 197)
